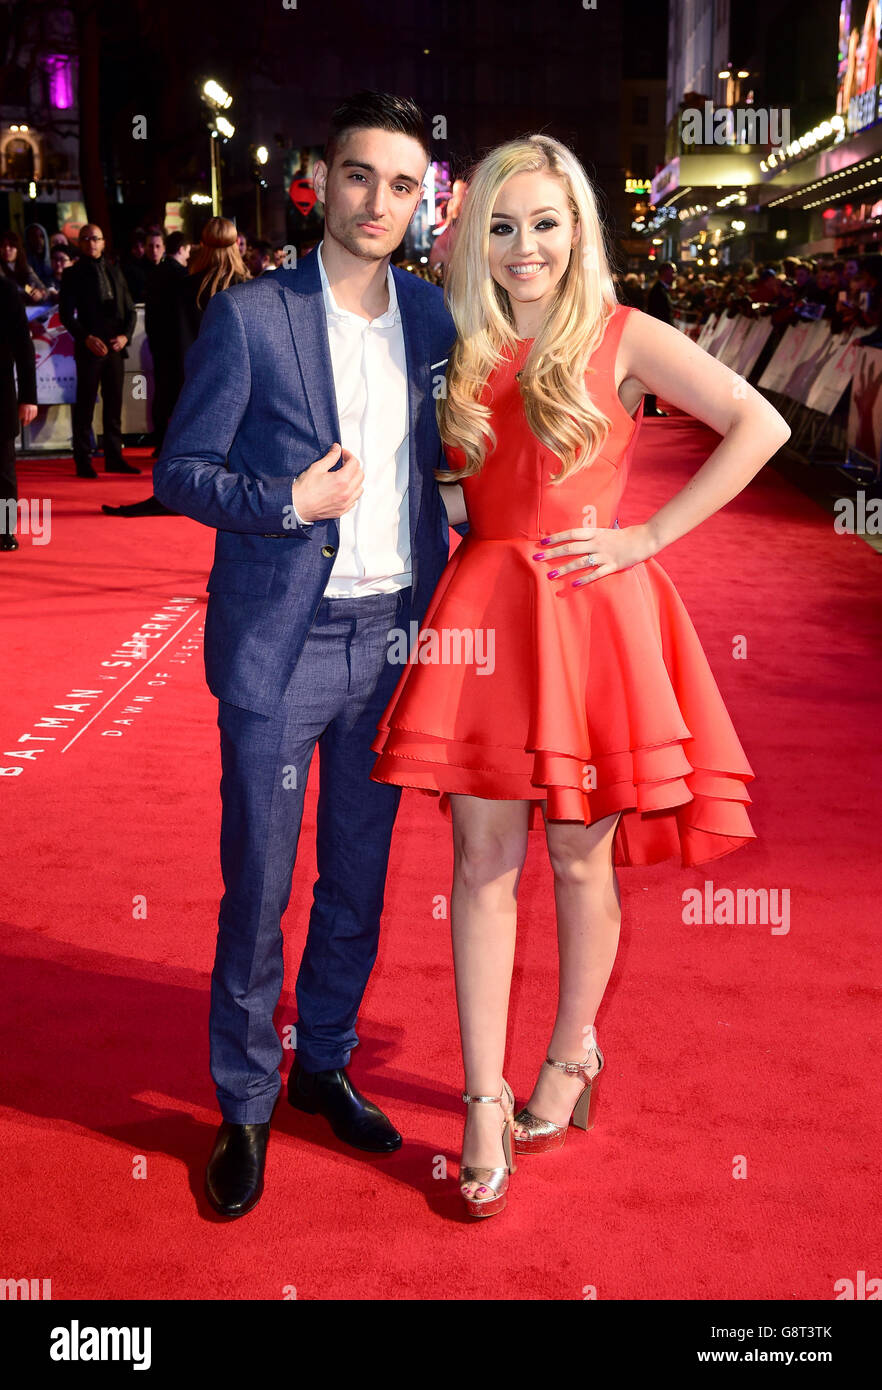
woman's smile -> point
(526, 269)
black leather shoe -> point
(87, 471)
(8, 542)
(354, 1119)
(151, 506)
(121, 467)
(234, 1176)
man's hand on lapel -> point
(323, 491)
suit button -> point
(329, 550)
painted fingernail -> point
(545, 540)
(552, 574)
(577, 582)
(540, 555)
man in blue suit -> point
(305, 434)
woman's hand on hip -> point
(595, 550)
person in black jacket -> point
(658, 303)
(16, 351)
(215, 264)
(96, 308)
(134, 265)
(162, 318)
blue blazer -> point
(257, 407)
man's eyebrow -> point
(361, 164)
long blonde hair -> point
(218, 259)
(557, 404)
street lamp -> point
(259, 157)
(733, 82)
(216, 96)
(217, 99)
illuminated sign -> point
(858, 71)
(864, 109)
(637, 185)
(666, 180)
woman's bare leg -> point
(490, 846)
(586, 895)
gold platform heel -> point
(544, 1136)
(494, 1179)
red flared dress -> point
(595, 701)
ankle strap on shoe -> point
(571, 1068)
(482, 1100)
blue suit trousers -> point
(340, 686)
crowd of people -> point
(37, 261)
(97, 297)
(845, 292)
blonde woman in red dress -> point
(557, 672)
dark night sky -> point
(493, 69)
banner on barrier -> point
(815, 346)
(54, 352)
(835, 371)
(787, 354)
(723, 329)
(730, 349)
(57, 382)
(864, 429)
(752, 345)
(810, 365)
(707, 331)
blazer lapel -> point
(416, 352)
(305, 307)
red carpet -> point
(730, 1048)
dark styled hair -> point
(376, 111)
(173, 243)
(21, 269)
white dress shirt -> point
(370, 385)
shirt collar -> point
(386, 320)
